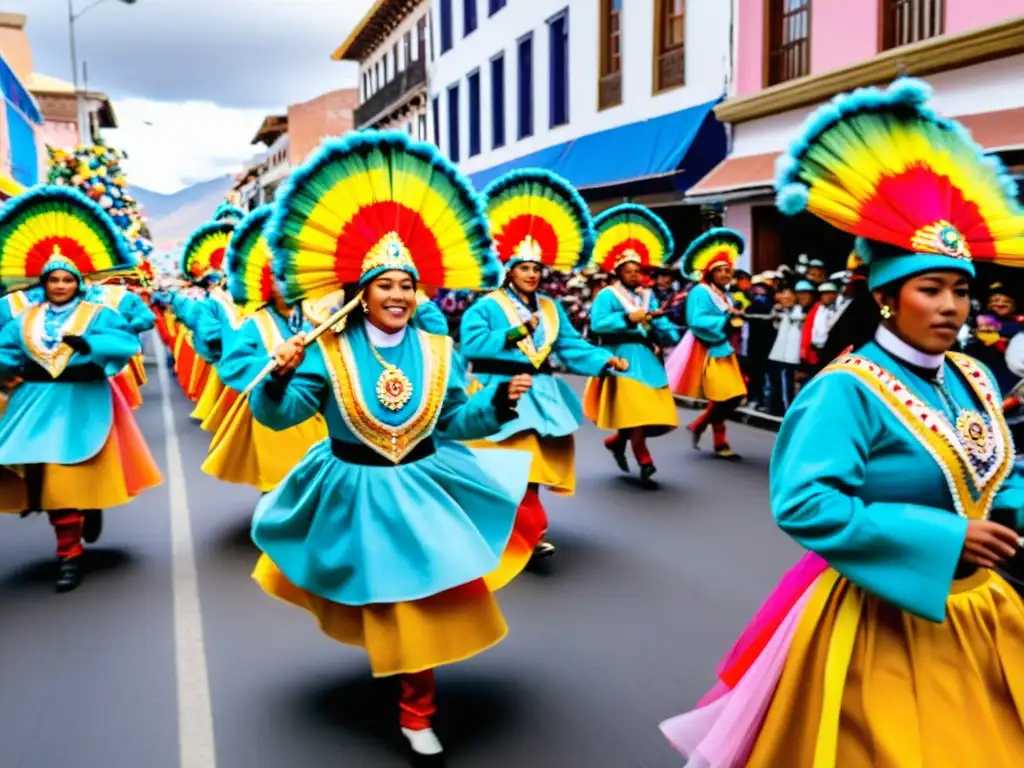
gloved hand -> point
(77, 343)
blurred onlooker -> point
(819, 322)
(816, 271)
(759, 335)
(670, 297)
(993, 330)
(784, 358)
(858, 315)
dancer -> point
(628, 320)
(243, 450)
(894, 643)
(705, 366)
(69, 445)
(538, 221)
(385, 531)
(140, 319)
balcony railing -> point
(672, 69)
(609, 92)
(910, 21)
(408, 80)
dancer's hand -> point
(638, 316)
(77, 343)
(289, 356)
(618, 364)
(519, 386)
(532, 321)
(989, 544)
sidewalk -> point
(743, 415)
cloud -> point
(171, 145)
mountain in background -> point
(173, 217)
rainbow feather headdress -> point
(914, 187)
(716, 247)
(630, 233)
(204, 252)
(228, 212)
(51, 227)
(249, 260)
(537, 216)
(373, 202)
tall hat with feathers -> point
(228, 212)
(630, 233)
(374, 202)
(50, 228)
(715, 248)
(249, 260)
(914, 187)
(205, 249)
(537, 216)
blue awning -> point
(647, 149)
(15, 94)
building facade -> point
(22, 154)
(390, 44)
(59, 106)
(793, 55)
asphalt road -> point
(622, 629)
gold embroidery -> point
(232, 310)
(549, 318)
(18, 302)
(113, 295)
(938, 437)
(55, 360)
(391, 442)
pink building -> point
(792, 55)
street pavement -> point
(622, 628)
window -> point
(445, 9)
(435, 109)
(670, 44)
(453, 123)
(380, 82)
(558, 68)
(407, 47)
(473, 83)
(909, 21)
(498, 101)
(468, 16)
(493, 6)
(394, 58)
(421, 127)
(525, 86)
(422, 37)
(366, 85)
(789, 34)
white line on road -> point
(196, 744)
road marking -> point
(196, 745)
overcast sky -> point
(192, 79)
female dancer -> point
(67, 436)
(385, 531)
(705, 366)
(243, 450)
(895, 643)
(628, 320)
(537, 220)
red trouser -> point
(416, 705)
(715, 416)
(67, 524)
(634, 437)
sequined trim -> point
(549, 319)
(627, 300)
(938, 437)
(391, 442)
(33, 329)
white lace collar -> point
(894, 345)
(381, 338)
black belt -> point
(73, 374)
(610, 339)
(364, 455)
(490, 367)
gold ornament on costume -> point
(528, 250)
(394, 389)
(941, 237)
(628, 255)
(975, 435)
(389, 253)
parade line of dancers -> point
(401, 477)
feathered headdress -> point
(374, 202)
(228, 212)
(249, 260)
(716, 247)
(204, 252)
(884, 166)
(537, 216)
(630, 233)
(53, 227)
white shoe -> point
(423, 742)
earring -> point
(366, 307)
(887, 312)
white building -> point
(391, 43)
(615, 95)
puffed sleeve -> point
(576, 353)
(111, 342)
(280, 403)
(465, 417)
(139, 317)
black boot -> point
(618, 451)
(69, 574)
(646, 473)
(92, 525)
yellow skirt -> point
(211, 392)
(401, 638)
(138, 366)
(246, 452)
(220, 411)
(866, 685)
(618, 402)
(554, 459)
